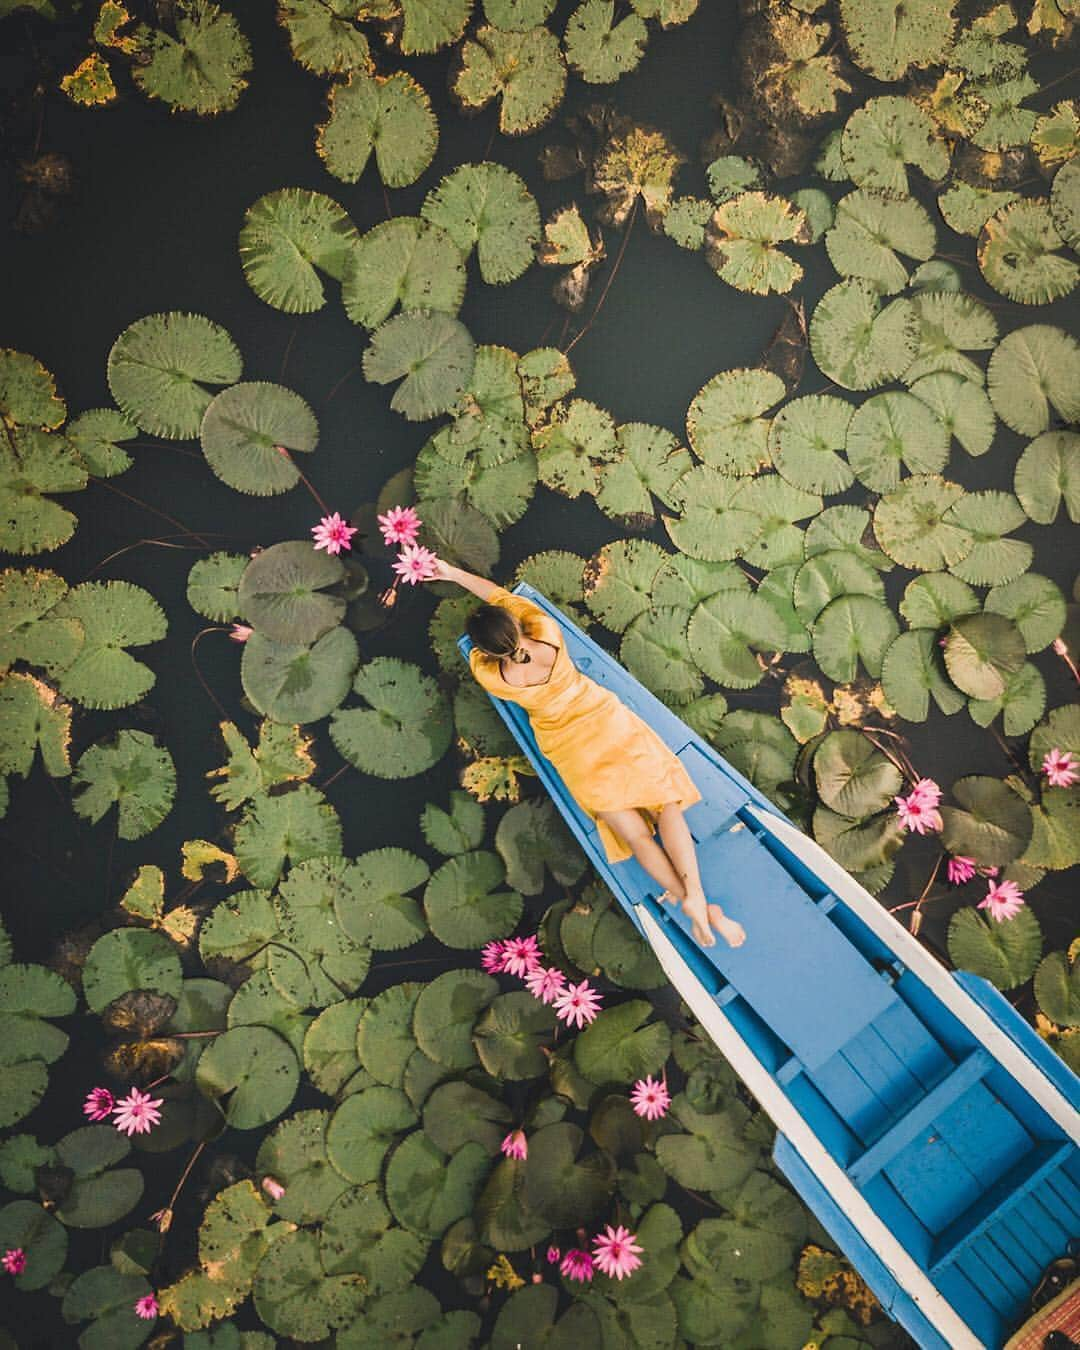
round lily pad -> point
(487, 206)
(212, 586)
(521, 66)
(887, 37)
(255, 1068)
(446, 1012)
(1048, 476)
(402, 261)
(600, 48)
(1065, 203)
(374, 906)
(742, 241)
(1035, 604)
(828, 575)
(654, 649)
(510, 1035)
(406, 727)
(869, 231)
(363, 1128)
(915, 526)
(357, 1236)
(853, 777)
(1021, 703)
(130, 958)
(961, 406)
(40, 1236)
(990, 822)
(463, 906)
(885, 135)
(298, 682)
(200, 64)
(851, 629)
(290, 827)
(1032, 371)
(805, 439)
(894, 429)
(295, 1154)
(288, 238)
(950, 324)
(856, 343)
(619, 580)
(724, 629)
(987, 517)
(245, 431)
(384, 1039)
(296, 1298)
(1019, 254)
(283, 592)
(324, 38)
(390, 115)
(457, 1112)
(159, 369)
(434, 353)
(1004, 953)
(97, 436)
(428, 1191)
(725, 423)
(913, 672)
(981, 652)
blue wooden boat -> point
(928, 1127)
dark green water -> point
(153, 227)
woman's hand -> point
(443, 571)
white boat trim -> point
(897, 1260)
(958, 1001)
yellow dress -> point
(609, 759)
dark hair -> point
(492, 630)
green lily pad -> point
(160, 366)
(108, 1297)
(1021, 703)
(559, 1188)
(856, 343)
(885, 135)
(458, 830)
(851, 629)
(826, 576)
(572, 446)
(255, 1068)
(981, 652)
(961, 406)
(1048, 475)
(621, 1045)
(428, 1191)
(1057, 990)
(32, 718)
(950, 324)
(113, 615)
(97, 436)
(619, 581)
(523, 69)
(402, 261)
(853, 777)
(446, 1013)
(404, 730)
(28, 392)
(532, 837)
(915, 524)
(283, 592)
(1035, 604)
(860, 846)
(390, 115)
(200, 66)
(1032, 370)
(654, 650)
(868, 232)
(488, 207)
(887, 37)
(650, 465)
(759, 746)
(600, 49)
(298, 682)
(936, 599)
(894, 429)
(913, 672)
(530, 1314)
(728, 176)
(1004, 953)
(296, 1298)
(1065, 203)
(358, 1237)
(1006, 123)
(213, 583)
(501, 492)
(126, 959)
(245, 430)
(1055, 837)
(288, 238)
(364, 1128)
(458, 1112)
(330, 1058)
(725, 425)
(132, 773)
(685, 221)
(373, 905)
(710, 1146)
(511, 1036)
(991, 823)
(33, 463)
(434, 353)
(463, 906)
(966, 207)
(725, 630)
(325, 38)
(742, 238)
(295, 1154)
(805, 439)
(41, 1237)
(296, 825)
(1019, 254)
(384, 1038)
(987, 517)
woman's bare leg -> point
(679, 847)
(631, 827)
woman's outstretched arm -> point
(478, 585)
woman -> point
(616, 767)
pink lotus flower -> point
(274, 1189)
(650, 1098)
(577, 1003)
(1060, 768)
(927, 791)
(137, 1113)
(960, 869)
(14, 1260)
(515, 1145)
(415, 563)
(240, 632)
(577, 1265)
(333, 534)
(520, 955)
(916, 816)
(553, 1255)
(616, 1252)
(400, 525)
(147, 1307)
(1004, 900)
(545, 983)
(493, 958)
(99, 1103)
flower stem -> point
(611, 277)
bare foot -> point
(733, 933)
(696, 910)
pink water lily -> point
(1060, 768)
(137, 1113)
(147, 1307)
(1004, 900)
(399, 525)
(545, 983)
(578, 1004)
(916, 816)
(240, 632)
(273, 1188)
(515, 1145)
(415, 564)
(493, 958)
(577, 1265)
(521, 955)
(14, 1260)
(333, 534)
(99, 1104)
(960, 869)
(650, 1098)
(616, 1252)
(927, 791)
(553, 1254)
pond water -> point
(152, 227)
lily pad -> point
(212, 586)
(298, 682)
(805, 439)
(622, 1045)
(255, 1068)
(981, 652)
(530, 837)
(97, 436)
(742, 238)
(853, 777)
(363, 1129)
(402, 261)
(600, 49)
(1019, 254)
(1048, 475)
(246, 432)
(524, 69)
(446, 1013)
(32, 718)
(619, 581)
(33, 463)
(887, 37)
(159, 369)
(114, 615)
(434, 353)
(828, 575)
(725, 631)
(961, 406)
(913, 672)
(851, 629)
(487, 206)
(885, 135)
(915, 524)
(132, 773)
(456, 1112)
(650, 465)
(511, 1036)
(463, 905)
(990, 823)
(283, 592)
(1004, 953)
(200, 66)
(126, 959)
(1035, 604)
(428, 1191)
(390, 115)
(288, 238)
(1021, 703)
(951, 323)
(894, 429)
(654, 649)
(856, 343)
(1065, 203)
(868, 232)
(28, 392)
(966, 207)
(325, 38)
(384, 1039)
(1032, 370)
(725, 424)
(406, 727)
(993, 559)
(291, 827)
(374, 906)
(296, 1298)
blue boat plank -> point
(1056, 1208)
(1012, 1252)
(982, 1314)
(893, 1083)
(933, 1181)
(1000, 1283)
(921, 1115)
(898, 1035)
(1037, 1231)
(984, 1134)
(861, 1109)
